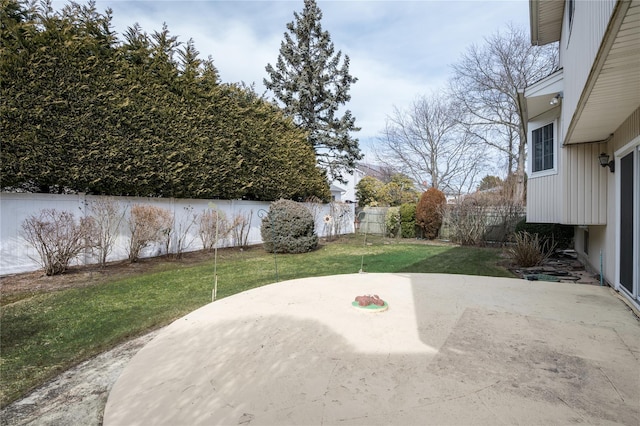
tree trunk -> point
(518, 195)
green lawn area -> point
(47, 333)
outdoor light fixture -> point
(604, 161)
(556, 99)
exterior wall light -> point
(556, 99)
(604, 161)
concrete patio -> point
(451, 349)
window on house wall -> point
(542, 144)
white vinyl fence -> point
(16, 255)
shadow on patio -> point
(450, 350)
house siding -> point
(585, 183)
(579, 47)
(597, 237)
(628, 130)
(602, 239)
(589, 188)
(577, 195)
(544, 195)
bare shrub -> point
(482, 217)
(212, 227)
(339, 218)
(57, 238)
(240, 228)
(182, 227)
(529, 250)
(107, 217)
(314, 205)
(148, 224)
(508, 214)
(467, 222)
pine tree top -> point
(312, 82)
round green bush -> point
(392, 221)
(288, 228)
(408, 220)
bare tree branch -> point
(486, 82)
(430, 143)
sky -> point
(399, 50)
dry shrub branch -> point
(57, 237)
(240, 228)
(339, 219)
(212, 227)
(107, 216)
(147, 224)
(478, 218)
(182, 228)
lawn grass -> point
(47, 333)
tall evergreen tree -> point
(312, 82)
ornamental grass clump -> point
(530, 250)
(288, 228)
(561, 234)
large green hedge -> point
(84, 111)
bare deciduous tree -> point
(428, 143)
(486, 82)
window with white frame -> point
(542, 145)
